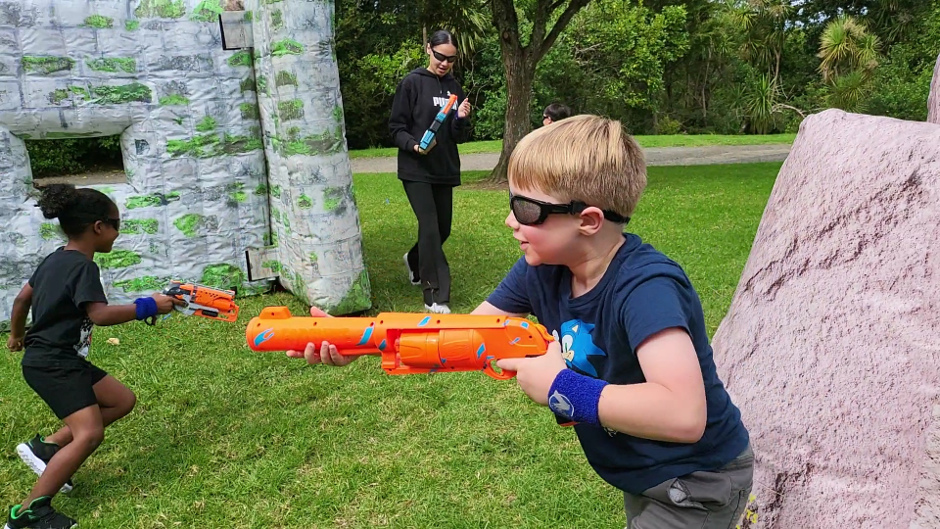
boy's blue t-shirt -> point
(642, 292)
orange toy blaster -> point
(201, 300)
(408, 343)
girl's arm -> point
(102, 314)
(21, 305)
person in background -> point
(429, 177)
(555, 112)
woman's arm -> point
(460, 125)
(400, 121)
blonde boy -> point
(632, 367)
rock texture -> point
(831, 346)
(933, 104)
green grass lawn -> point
(225, 437)
(675, 140)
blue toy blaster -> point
(429, 139)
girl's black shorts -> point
(66, 388)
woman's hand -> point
(327, 353)
(464, 109)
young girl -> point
(429, 176)
(67, 300)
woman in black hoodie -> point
(429, 176)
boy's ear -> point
(97, 226)
(592, 219)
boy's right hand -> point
(327, 353)
(166, 303)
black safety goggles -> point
(444, 58)
(531, 212)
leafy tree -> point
(368, 90)
(765, 24)
(846, 46)
(761, 101)
(485, 83)
(696, 83)
(612, 59)
(902, 81)
(891, 20)
(849, 57)
(466, 19)
(522, 47)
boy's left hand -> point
(535, 375)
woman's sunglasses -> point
(444, 58)
(531, 212)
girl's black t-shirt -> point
(61, 331)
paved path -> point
(484, 162)
(720, 154)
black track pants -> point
(433, 205)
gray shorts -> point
(700, 500)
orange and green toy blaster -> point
(408, 343)
(202, 300)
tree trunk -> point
(520, 75)
(519, 64)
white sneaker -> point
(36, 454)
(412, 277)
(437, 308)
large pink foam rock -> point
(933, 103)
(831, 346)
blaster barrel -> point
(408, 343)
(276, 330)
(442, 114)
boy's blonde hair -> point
(584, 157)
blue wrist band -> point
(146, 307)
(575, 397)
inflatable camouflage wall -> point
(227, 153)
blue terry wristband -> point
(146, 307)
(575, 396)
